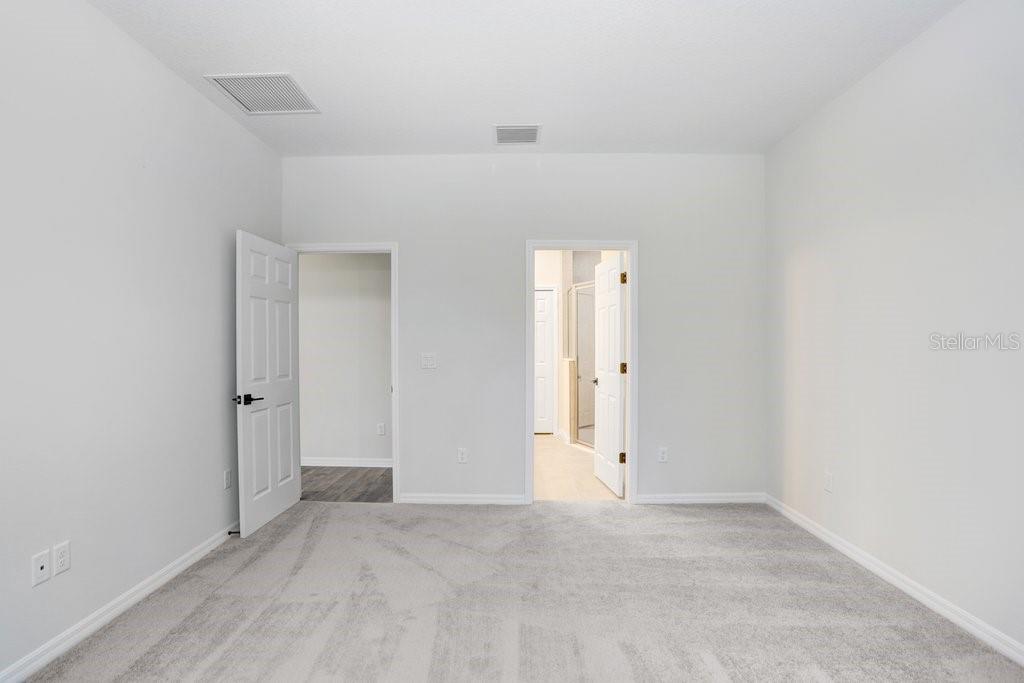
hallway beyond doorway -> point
(564, 472)
(347, 484)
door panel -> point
(544, 328)
(285, 456)
(269, 478)
(259, 422)
(283, 314)
(609, 417)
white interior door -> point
(609, 415)
(545, 325)
(266, 337)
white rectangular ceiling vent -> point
(261, 94)
(516, 135)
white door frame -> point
(555, 350)
(632, 342)
(390, 248)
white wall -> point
(584, 263)
(896, 212)
(547, 268)
(120, 190)
(462, 223)
(345, 359)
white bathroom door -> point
(545, 324)
(609, 416)
(266, 338)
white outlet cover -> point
(41, 567)
(61, 557)
(381, 429)
(663, 454)
(227, 479)
(462, 456)
(828, 482)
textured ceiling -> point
(434, 76)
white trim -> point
(58, 645)
(375, 248)
(698, 498)
(981, 630)
(580, 446)
(631, 248)
(346, 462)
(344, 247)
(465, 498)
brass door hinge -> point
(622, 458)
(622, 368)
(623, 278)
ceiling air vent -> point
(265, 93)
(516, 135)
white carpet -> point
(552, 592)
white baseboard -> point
(58, 645)
(981, 630)
(697, 498)
(463, 498)
(347, 462)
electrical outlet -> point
(428, 360)
(663, 454)
(61, 557)
(828, 482)
(41, 567)
(381, 429)
(227, 479)
(462, 456)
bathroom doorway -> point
(581, 336)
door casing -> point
(630, 248)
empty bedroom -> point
(604, 340)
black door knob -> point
(247, 399)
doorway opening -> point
(581, 404)
(345, 377)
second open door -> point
(609, 352)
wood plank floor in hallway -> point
(347, 484)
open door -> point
(266, 338)
(544, 377)
(609, 415)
